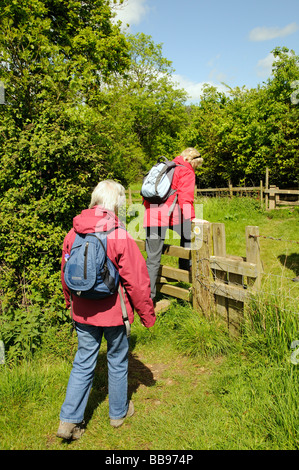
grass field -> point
(193, 386)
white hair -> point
(109, 194)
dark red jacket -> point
(126, 256)
(184, 183)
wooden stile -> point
(220, 282)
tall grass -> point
(245, 398)
(191, 333)
(258, 384)
(271, 326)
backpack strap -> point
(73, 327)
(124, 312)
(172, 206)
(175, 199)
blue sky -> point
(216, 41)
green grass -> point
(224, 394)
(193, 386)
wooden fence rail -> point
(218, 281)
(273, 197)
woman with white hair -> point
(95, 318)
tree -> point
(283, 121)
(205, 128)
(156, 105)
(243, 132)
(56, 57)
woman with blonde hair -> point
(176, 213)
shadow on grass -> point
(291, 262)
(139, 374)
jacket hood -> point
(96, 219)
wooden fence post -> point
(229, 309)
(253, 255)
(201, 273)
(130, 197)
(272, 199)
(261, 193)
(267, 187)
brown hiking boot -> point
(116, 423)
(70, 431)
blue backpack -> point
(88, 272)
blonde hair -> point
(109, 194)
(189, 154)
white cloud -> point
(264, 66)
(132, 12)
(194, 89)
(264, 33)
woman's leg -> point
(81, 377)
(117, 357)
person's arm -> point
(135, 279)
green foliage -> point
(56, 57)
(271, 326)
(85, 102)
(244, 131)
(191, 333)
(155, 106)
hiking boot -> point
(116, 423)
(70, 431)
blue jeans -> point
(81, 377)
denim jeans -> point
(82, 374)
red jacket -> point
(126, 256)
(184, 182)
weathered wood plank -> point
(228, 290)
(177, 251)
(170, 250)
(175, 273)
(253, 254)
(281, 191)
(234, 266)
(219, 250)
(201, 273)
(174, 291)
(140, 244)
